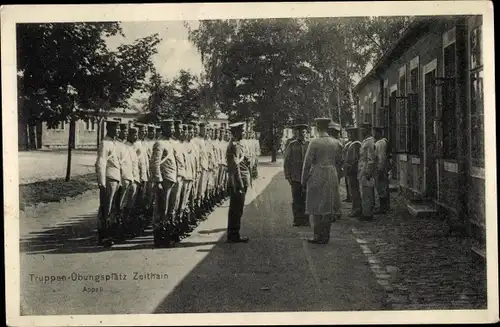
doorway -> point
(431, 175)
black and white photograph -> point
(251, 163)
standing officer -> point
(293, 163)
(334, 131)
(157, 132)
(382, 166)
(108, 166)
(150, 192)
(344, 154)
(212, 162)
(239, 181)
(257, 154)
(366, 172)
(122, 136)
(222, 164)
(351, 161)
(164, 175)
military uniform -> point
(164, 174)
(382, 174)
(366, 174)
(239, 181)
(351, 161)
(293, 163)
(108, 166)
(130, 219)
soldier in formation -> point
(171, 180)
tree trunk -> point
(273, 147)
(71, 137)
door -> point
(392, 123)
(430, 135)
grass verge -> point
(54, 190)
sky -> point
(175, 51)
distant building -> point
(427, 90)
(43, 137)
(220, 120)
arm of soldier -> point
(101, 162)
(381, 155)
(233, 167)
(156, 157)
(308, 162)
(370, 161)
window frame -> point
(415, 144)
(402, 111)
(476, 160)
(449, 39)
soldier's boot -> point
(107, 239)
(158, 235)
(175, 232)
(382, 209)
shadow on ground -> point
(277, 270)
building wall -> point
(428, 47)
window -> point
(402, 125)
(448, 95)
(476, 98)
(61, 126)
(90, 125)
(413, 114)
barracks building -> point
(427, 91)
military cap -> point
(193, 123)
(140, 125)
(189, 126)
(133, 129)
(177, 122)
(335, 126)
(365, 125)
(123, 126)
(300, 126)
(378, 127)
(112, 123)
(151, 127)
(237, 126)
(184, 127)
(202, 124)
(323, 121)
(351, 128)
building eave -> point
(416, 24)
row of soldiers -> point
(364, 165)
(171, 176)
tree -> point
(281, 70)
(66, 72)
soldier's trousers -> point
(187, 185)
(175, 198)
(236, 205)
(122, 195)
(382, 185)
(162, 202)
(107, 195)
(367, 200)
(299, 203)
(352, 181)
(322, 225)
(202, 185)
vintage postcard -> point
(249, 163)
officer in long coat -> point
(366, 172)
(293, 162)
(382, 170)
(108, 166)
(144, 173)
(334, 131)
(344, 155)
(164, 175)
(351, 161)
(187, 186)
(239, 181)
(320, 177)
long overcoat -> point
(320, 177)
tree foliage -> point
(68, 66)
(281, 70)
